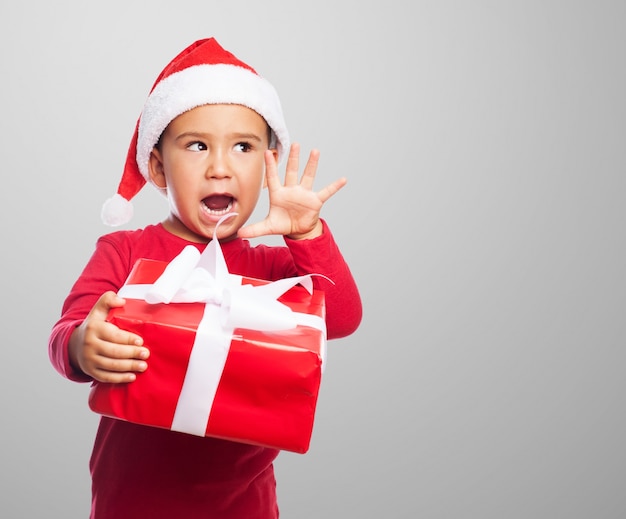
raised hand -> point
(294, 208)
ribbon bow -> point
(192, 277)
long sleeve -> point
(343, 303)
(106, 270)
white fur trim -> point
(207, 84)
(116, 211)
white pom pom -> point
(116, 211)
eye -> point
(197, 146)
(243, 147)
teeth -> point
(218, 212)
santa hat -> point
(203, 73)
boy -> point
(209, 138)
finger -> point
(331, 189)
(255, 230)
(271, 171)
(111, 335)
(121, 365)
(116, 363)
(293, 165)
(113, 377)
(310, 170)
(122, 337)
(125, 346)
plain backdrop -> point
(484, 146)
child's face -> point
(211, 160)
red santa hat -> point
(203, 73)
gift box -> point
(218, 366)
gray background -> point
(483, 219)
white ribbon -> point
(192, 277)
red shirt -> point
(139, 471)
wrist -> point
(317, 231)
(72, 351)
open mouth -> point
(218, 205)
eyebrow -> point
(236, 135)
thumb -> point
(255, 230)
(107, 301)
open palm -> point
(294, 207)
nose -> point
(218, 166)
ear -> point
(275, 154)
(155, 169)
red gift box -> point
(266, 392)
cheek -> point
(179, 193)
(253, 193)
(255, 179)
